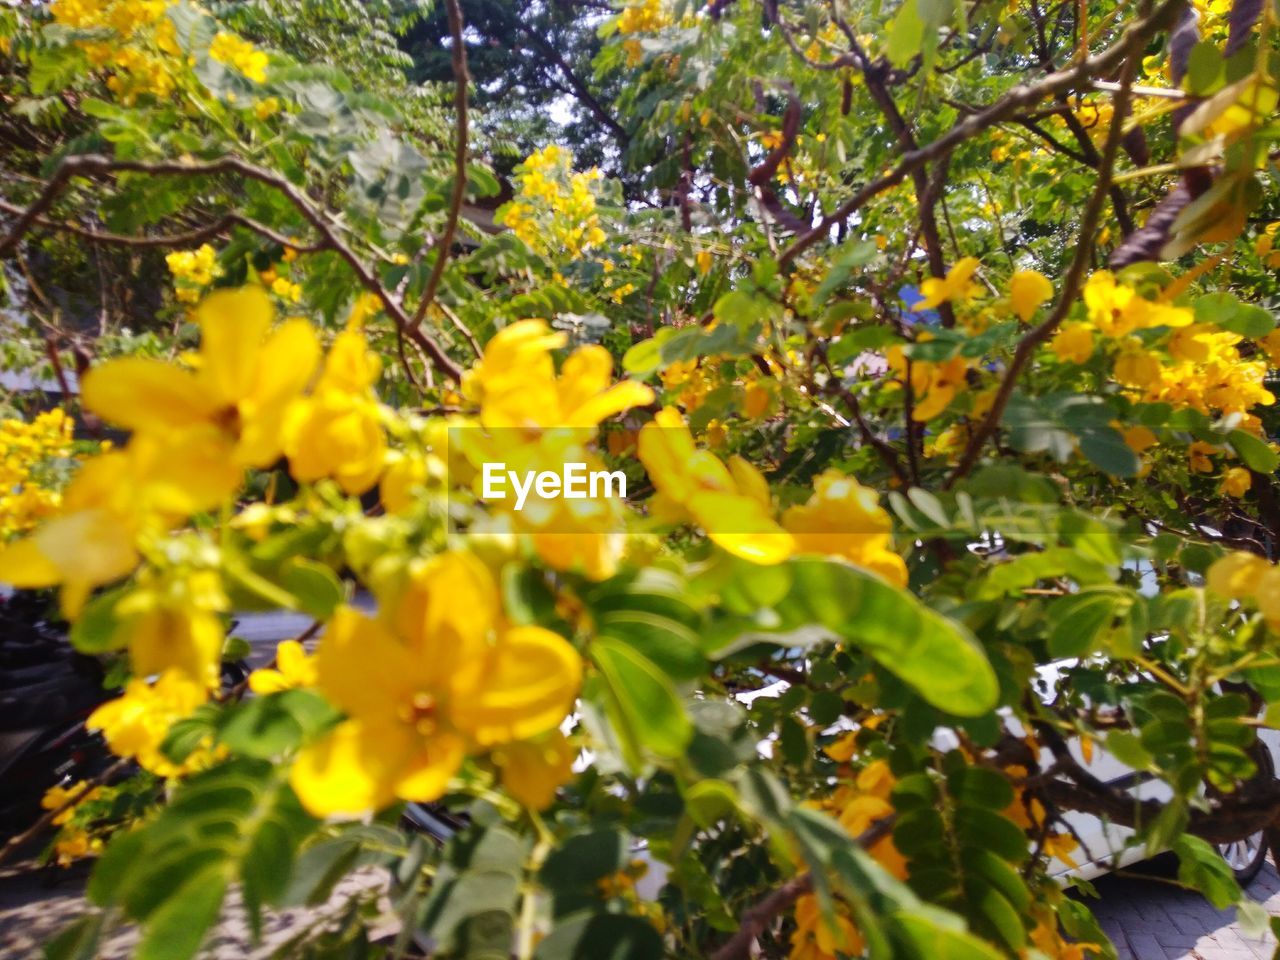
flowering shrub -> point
(941, 387)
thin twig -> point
(14, 843)
(444, 242)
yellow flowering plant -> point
(746, 530)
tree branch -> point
(97, 166)
(444, 242)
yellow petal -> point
(425, 776)
(1028, 289)
(532, 771)
(164, 639)
(1236, 575)
(448, 609)
(741, 526)
(139, 393)
(92, 546)
(362, 668)
(24, 566)
(185, 471)
(621, 396)
(286, 363)
(523, 687)
(233, 324)
(347, 772)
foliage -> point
(947, 348)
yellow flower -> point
(293, 669)
(247, 377)
(957, 285)
(286, 290)
(136, 723)
(181, 638)
(57, 797)
(441, 677)
(1028, 289)
(266, 108)
(934, 384)
(1073, 343)
(532, 770)
(1138, 438)
(114, 499)
(1061, 846)
(1236, 575)
(199, 266)
(844, 519)
(1198, 454)
(516, 385)
(732, 504)
(704, 261)
(1236, 482)
(232, 50)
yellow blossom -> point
(1028, 289)
(440, 676)
(957, 285)
(532, 770)
(1236, 482)
(731, 503)
(1073, 343)
(136, 723)
(293, 669)
(239, 53)
(843, 518)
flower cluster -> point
(1186, 364)
(648, 16)
(239, 53)
(142, 55)
(732, 503)
(555, 210)
(30, 454)
(194, 270)
(857, 804)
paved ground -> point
(1150, 919)
(35, 905)
(1147, 919)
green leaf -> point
(925, 938)
(1128, 749)
(79, 940)
(316, 588)
(583, 859)
(1105, 449)
(647, 701)
(271, 726)
(906, 34)
(936, 656)
(235, 822)
(98, 629)
(1079, 619)
(1256, 454)
(1200, 866)
(601, 936)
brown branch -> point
(444, 242)
(1070, 287)
(18, 841)
(185, 238)
(95, 165)
(1017, 99)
